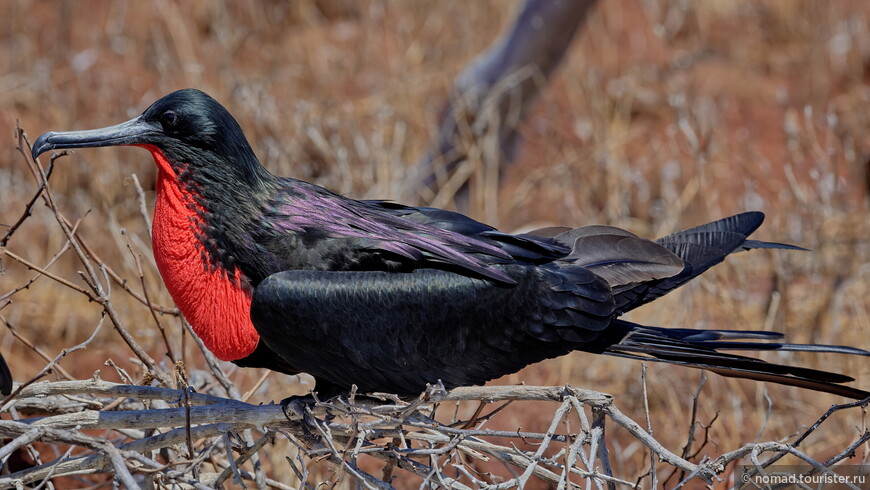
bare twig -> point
(151, 309)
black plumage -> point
(391, 297)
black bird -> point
(278, 273)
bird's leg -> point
(298, 408)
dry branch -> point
(341, 432)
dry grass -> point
(666, 114)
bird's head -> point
(188, 129)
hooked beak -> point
(132, 132)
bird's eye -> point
(170, 119)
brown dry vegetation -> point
(666, 114)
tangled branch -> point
(401, 434)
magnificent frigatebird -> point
(279, 273)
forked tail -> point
(702, 247)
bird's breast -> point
(211, 298)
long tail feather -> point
(753, 244)
(700, 349)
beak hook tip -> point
(42, 145)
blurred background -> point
(665, 114)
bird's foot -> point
(299, 409)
